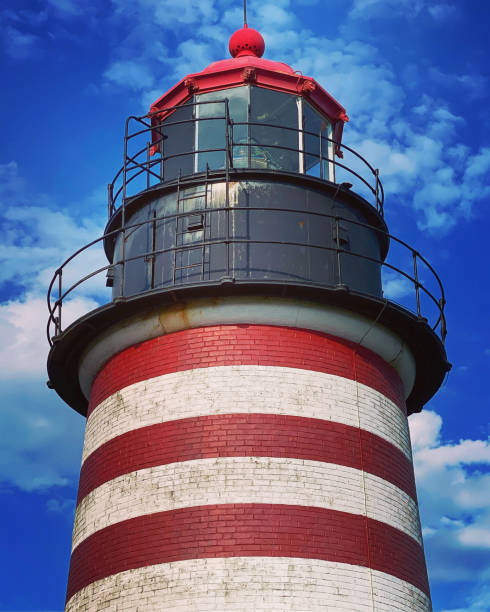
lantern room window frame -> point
(259, 140)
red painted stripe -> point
(248, 530)
(246, 435)
(246, 345)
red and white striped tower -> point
(246, 389)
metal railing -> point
(146, 165)
(59, 294)
(145, 160)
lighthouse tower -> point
(247, 382)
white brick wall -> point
(249, 584)
(236, 480)
(246, 389)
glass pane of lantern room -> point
(272, 145)
(211, 126)
(178, 144)
(316, 126)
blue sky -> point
(414, 78)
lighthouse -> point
(247, 380)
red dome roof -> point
(244, 61)
(247, 67)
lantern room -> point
(276, 118)
(272, 130)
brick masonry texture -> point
(246, 389)
(238, 480)
(247, 530)
(246, 435)
(245, 584)
(246, 345)
(247, 442)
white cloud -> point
(168, 13)
(59, 506)
(396, 287)
(37, 239)
(41, 437)
(387, 9)
(424, 160)
(369, 9)
(478, 165)
(20, 45)
(130, 74)
(477, 537)
(11, 183)
(453, 484)
(425, 429)
(442, 12)
(184, 62)
(67, 7)
(473, 83)
(280, 16)
(23, 329)
(478, 601)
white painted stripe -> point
(246, 389)
(242, 480)
(254, 310)
(242, 584)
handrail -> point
(55, 304)
(136, 164)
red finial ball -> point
(247, 41)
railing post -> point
(123, 257)
(337, 240)
(227, 191)
(147, 165)
(60, 294)
(321, 153)
(301, 137)
(123, 211)
(125, 168)
(376, 174)
(229, 150)
(162, 163)
(109, 200)
(416, 277)
(153, 250)
(442, 303)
